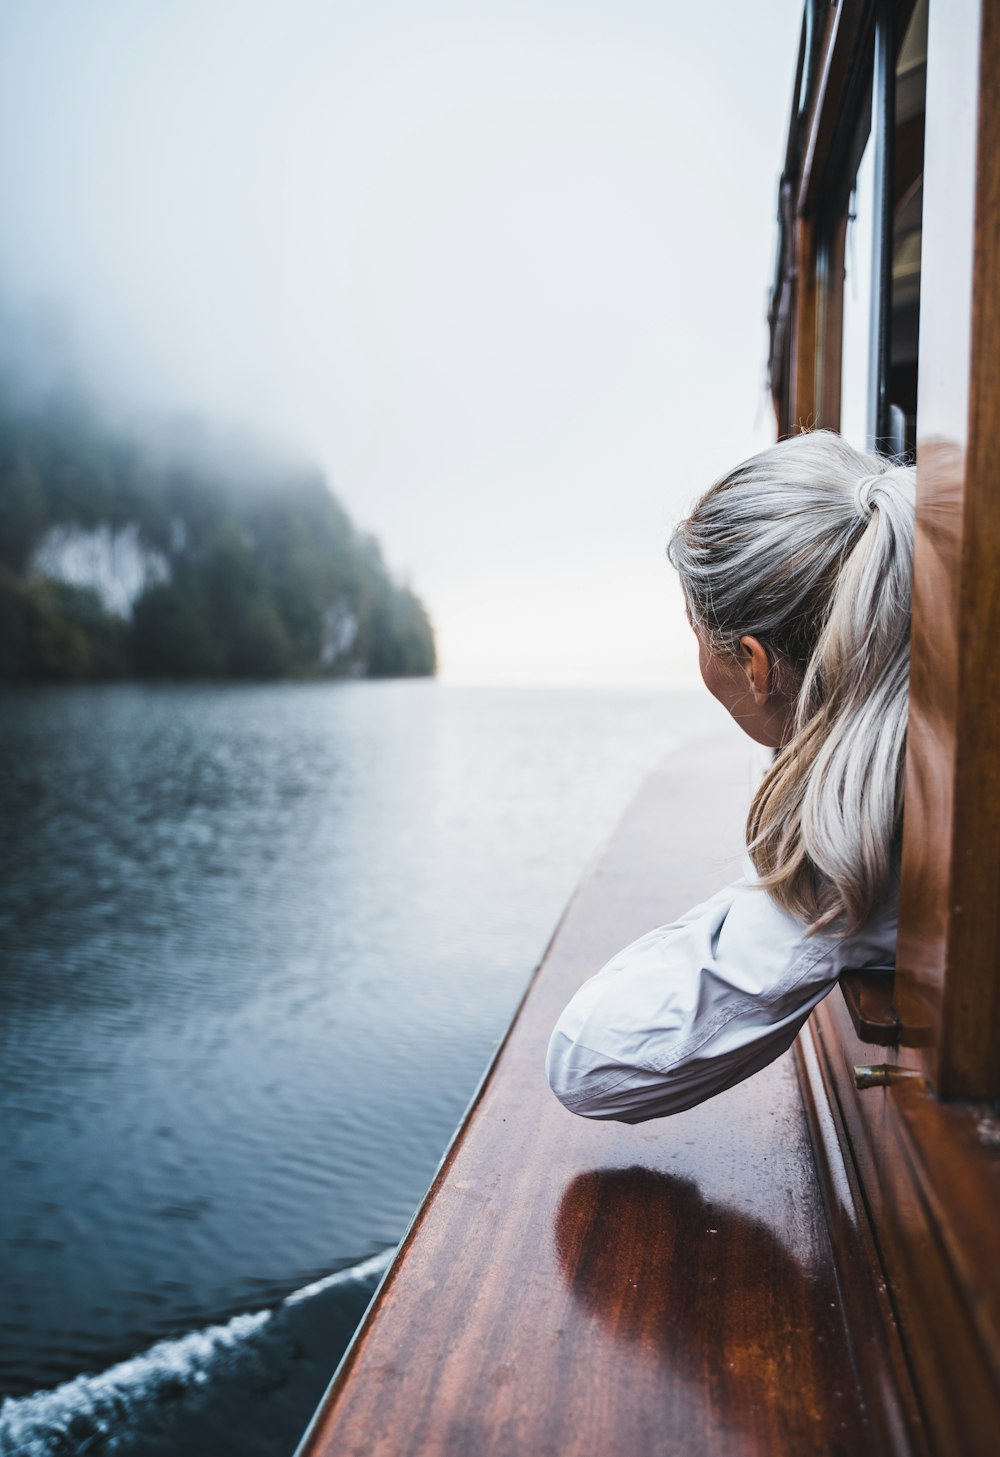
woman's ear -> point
(757, 667)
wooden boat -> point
(811, 1261)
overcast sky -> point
(499, 268)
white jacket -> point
(692, 1008)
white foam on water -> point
(96, 1412)
(376, 1265)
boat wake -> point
(103, 1413)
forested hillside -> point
(167, 555)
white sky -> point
(500, 268)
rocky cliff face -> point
(182, 556)
(113, 561)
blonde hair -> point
(809, 547)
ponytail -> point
(809, 547)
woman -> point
(797, 572)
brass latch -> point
(884, 1074)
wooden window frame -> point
(949, 971)
(912, 1164)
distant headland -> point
(168, 554)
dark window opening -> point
(907, 178)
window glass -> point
(855, 391)
(907, 214)
(878, 398)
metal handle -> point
(883, 1074)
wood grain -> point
(822, 140)
(929, 1179)
(804, 404)
(912, 1171)
(573, 1287)
(950, 909)
(868, 997)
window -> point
(907, 187)
(855, 369)
(878, 225)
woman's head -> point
(797, 572)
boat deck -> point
(571, 1287)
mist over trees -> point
(239, 567)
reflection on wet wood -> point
(591, 1288)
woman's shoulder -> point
(756, 923)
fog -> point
(500, 271)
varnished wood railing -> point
(571, 1287)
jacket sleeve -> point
(696, 1006)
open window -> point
(868, 241)
(884, 319)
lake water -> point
(258, 944)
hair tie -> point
(862, 495)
